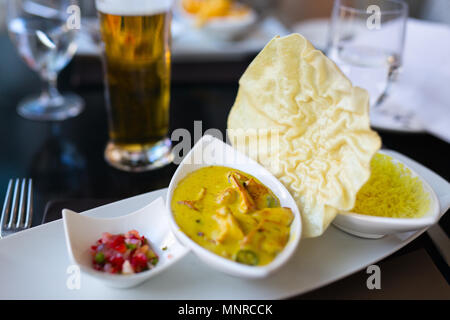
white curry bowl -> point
(210, 151)
(374, 227)
(150, 221)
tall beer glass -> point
(136, 41)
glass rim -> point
(402, 9)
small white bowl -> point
(210, 151)
(374, 227)
(223, 28)
(82, 232)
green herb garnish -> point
(99, 257)
(247, 257)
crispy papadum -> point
(318, 121)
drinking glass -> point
(366, 41)
(136, 57)
(45, 39)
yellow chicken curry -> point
(231, 214)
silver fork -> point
(17, 210)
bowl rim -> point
(429, 218)
(226, 264)
(115, 277)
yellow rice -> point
(392, 191)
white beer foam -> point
(133, 7)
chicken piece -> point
(268, 236)
(277, 235)
(228, 226)
(254, 239)
(246, 221)
(227, 196)
(247, 204)
(283, 216)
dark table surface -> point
(65, 159)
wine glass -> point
(366, 41)
(44, 35)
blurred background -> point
(293, 11)
(66, 158)
(274, 17)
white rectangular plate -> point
(33, 263)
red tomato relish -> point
(123, 253)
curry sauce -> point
(231, 214)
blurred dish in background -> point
(220, 19)
(208, 10)
(195, 45)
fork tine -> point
(6, 205)
(22, 204)
(29, 213)
(15, 201)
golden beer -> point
(137, 76)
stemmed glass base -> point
(139, 158)
(55, 108)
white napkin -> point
(423, 87)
